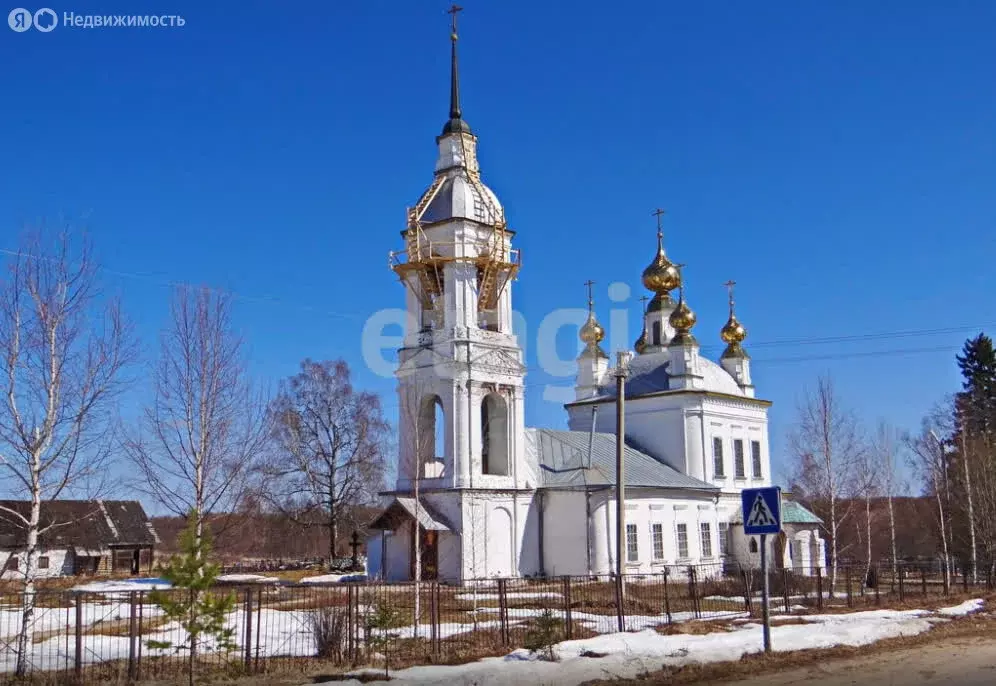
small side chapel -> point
(488, 497)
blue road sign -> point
(762, 510)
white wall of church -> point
(565, 534)
(679, 518)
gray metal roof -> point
(562, 457)
(424, 513)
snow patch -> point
(967, 607)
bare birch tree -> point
(828, 447)
(205, 428)
(64, 351)
(330, 442)
(416, 450)
(929, 460)
(885, 449)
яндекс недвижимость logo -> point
(21, 20)
(46, 19)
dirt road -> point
(963, 661)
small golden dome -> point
(661, 276)
(682, 318)
(641, 343)
(733, 331)
(592, 332)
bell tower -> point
(460, 373)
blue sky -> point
(837, 159)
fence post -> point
(350, 634)
(247, 648)
(434, 617)
(667, 596)
(503, 610)
(964, 577)
(691, 591)
(78, 658)
(747, 605)
(141, 617)
(989, 577)
(819, 587)
(259, 622)
(568, 620)
(131, 635)
(847, 578)
(877, 579)
(785, 589)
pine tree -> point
(200, 612)
(975, 419)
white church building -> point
(489, 497)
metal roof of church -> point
(562, 458)
(792, 513)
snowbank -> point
(967, 607)
(247, 579)
(626, 655)
(333, 578)
(123, 586)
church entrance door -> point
(429, 551)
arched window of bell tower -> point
(656, 333)
(494, 435)
(430, 434)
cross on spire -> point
(452, 11)
(659, 213)
(591, 298)
(681, 280)
(729, 287)
(643, 301)
(456, 123)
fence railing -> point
(88, 637)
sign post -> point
(762, 515)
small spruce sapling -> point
(201, 613)
(545, 632)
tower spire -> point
(592, 333)
(455, 124)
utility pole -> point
(621, 373)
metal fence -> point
(124, 636)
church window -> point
(738, 459)
(682, 541)
(724, 535)
(656, 333)
(439, 429)
(753, 545)
(632, 544)
(429, 432)
(494, 435)
(657, 533)
(755, 455)
(705, 536)
(717, 458)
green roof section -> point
(792, 513)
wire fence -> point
(124, 636)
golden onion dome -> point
(641, 343)
(591, 332)
(682, 318)
(733, 331)
(661, 276)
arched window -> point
(439, 426)
(494, 435)
(656, 333)
(430, 432)
(753, 545)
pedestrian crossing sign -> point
(762, 510)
